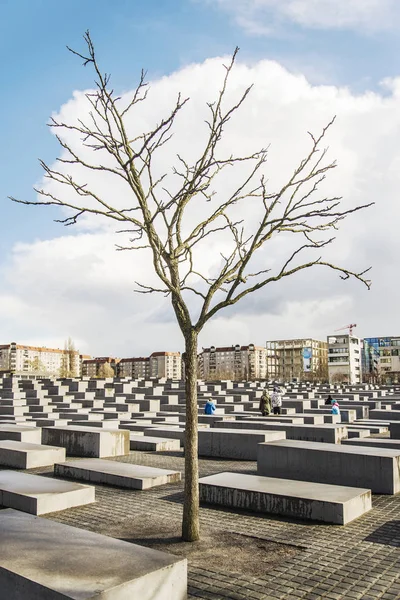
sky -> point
(308, 60)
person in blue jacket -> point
(209, 408)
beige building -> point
(301, 359)
(344, 359)
(233, 362)
(37, 360)
(166, 364)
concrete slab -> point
(45, 560)
(374, 443)
(21, 433)
(153, 444)
(88, 441)
(312, 433)
(377, 469)
(301, 499)
(41, 495)
(119, 474)
(20, 455)
(234, 443)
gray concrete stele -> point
(45, 560)
(284, 497)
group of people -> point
(272, 403)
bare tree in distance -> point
(69, 360)
(105, 370)
(155, 216)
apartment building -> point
(166, 364)
(303, 359)
(102, 366)
(233, 362)
(381, 356)
(136, 368)
(36, 360)
(344, 359)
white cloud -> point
(78, 285)
(266, 17)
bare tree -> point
(69, 360)
(154, 216)
(105, 370)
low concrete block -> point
(376, 469)
(41, 495)
(20, 455)
(394, 429)
(153, 444)
(119, 474)
(374, 442)
(21, 433)
(234, 443)
(45, 560)
(331, 434)
(303, 500)
(88, 441)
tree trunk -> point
(190, 521)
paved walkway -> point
(361, 560)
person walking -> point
(209, 408)
(276, 400)
(265, 403)
(335, 407)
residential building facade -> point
(386, 357)
(166, 364)
(233, 362)
(344, 359)
(302, 359)
(102, 366)
(135, 368)
(38, 360)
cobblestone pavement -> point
(361, 560)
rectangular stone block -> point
(331, 434)
(20, 433)
(394, 429)
(234, 443)
(300, 499)
(376, 469)
(119, 474)
(45, 560)
(153, 444)
(88, 441)
(20, 455)
(374, 442)
(41, 495)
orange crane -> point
(349, 327)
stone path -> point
(359, 561)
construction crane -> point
(349, 327)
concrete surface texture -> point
(87, 441)
(40, 495)
(20, 455)
(377, 469)
(234, 443)
(116, 473)
(43, 560)
(20, 433)
(303, 500)
(152, 444)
